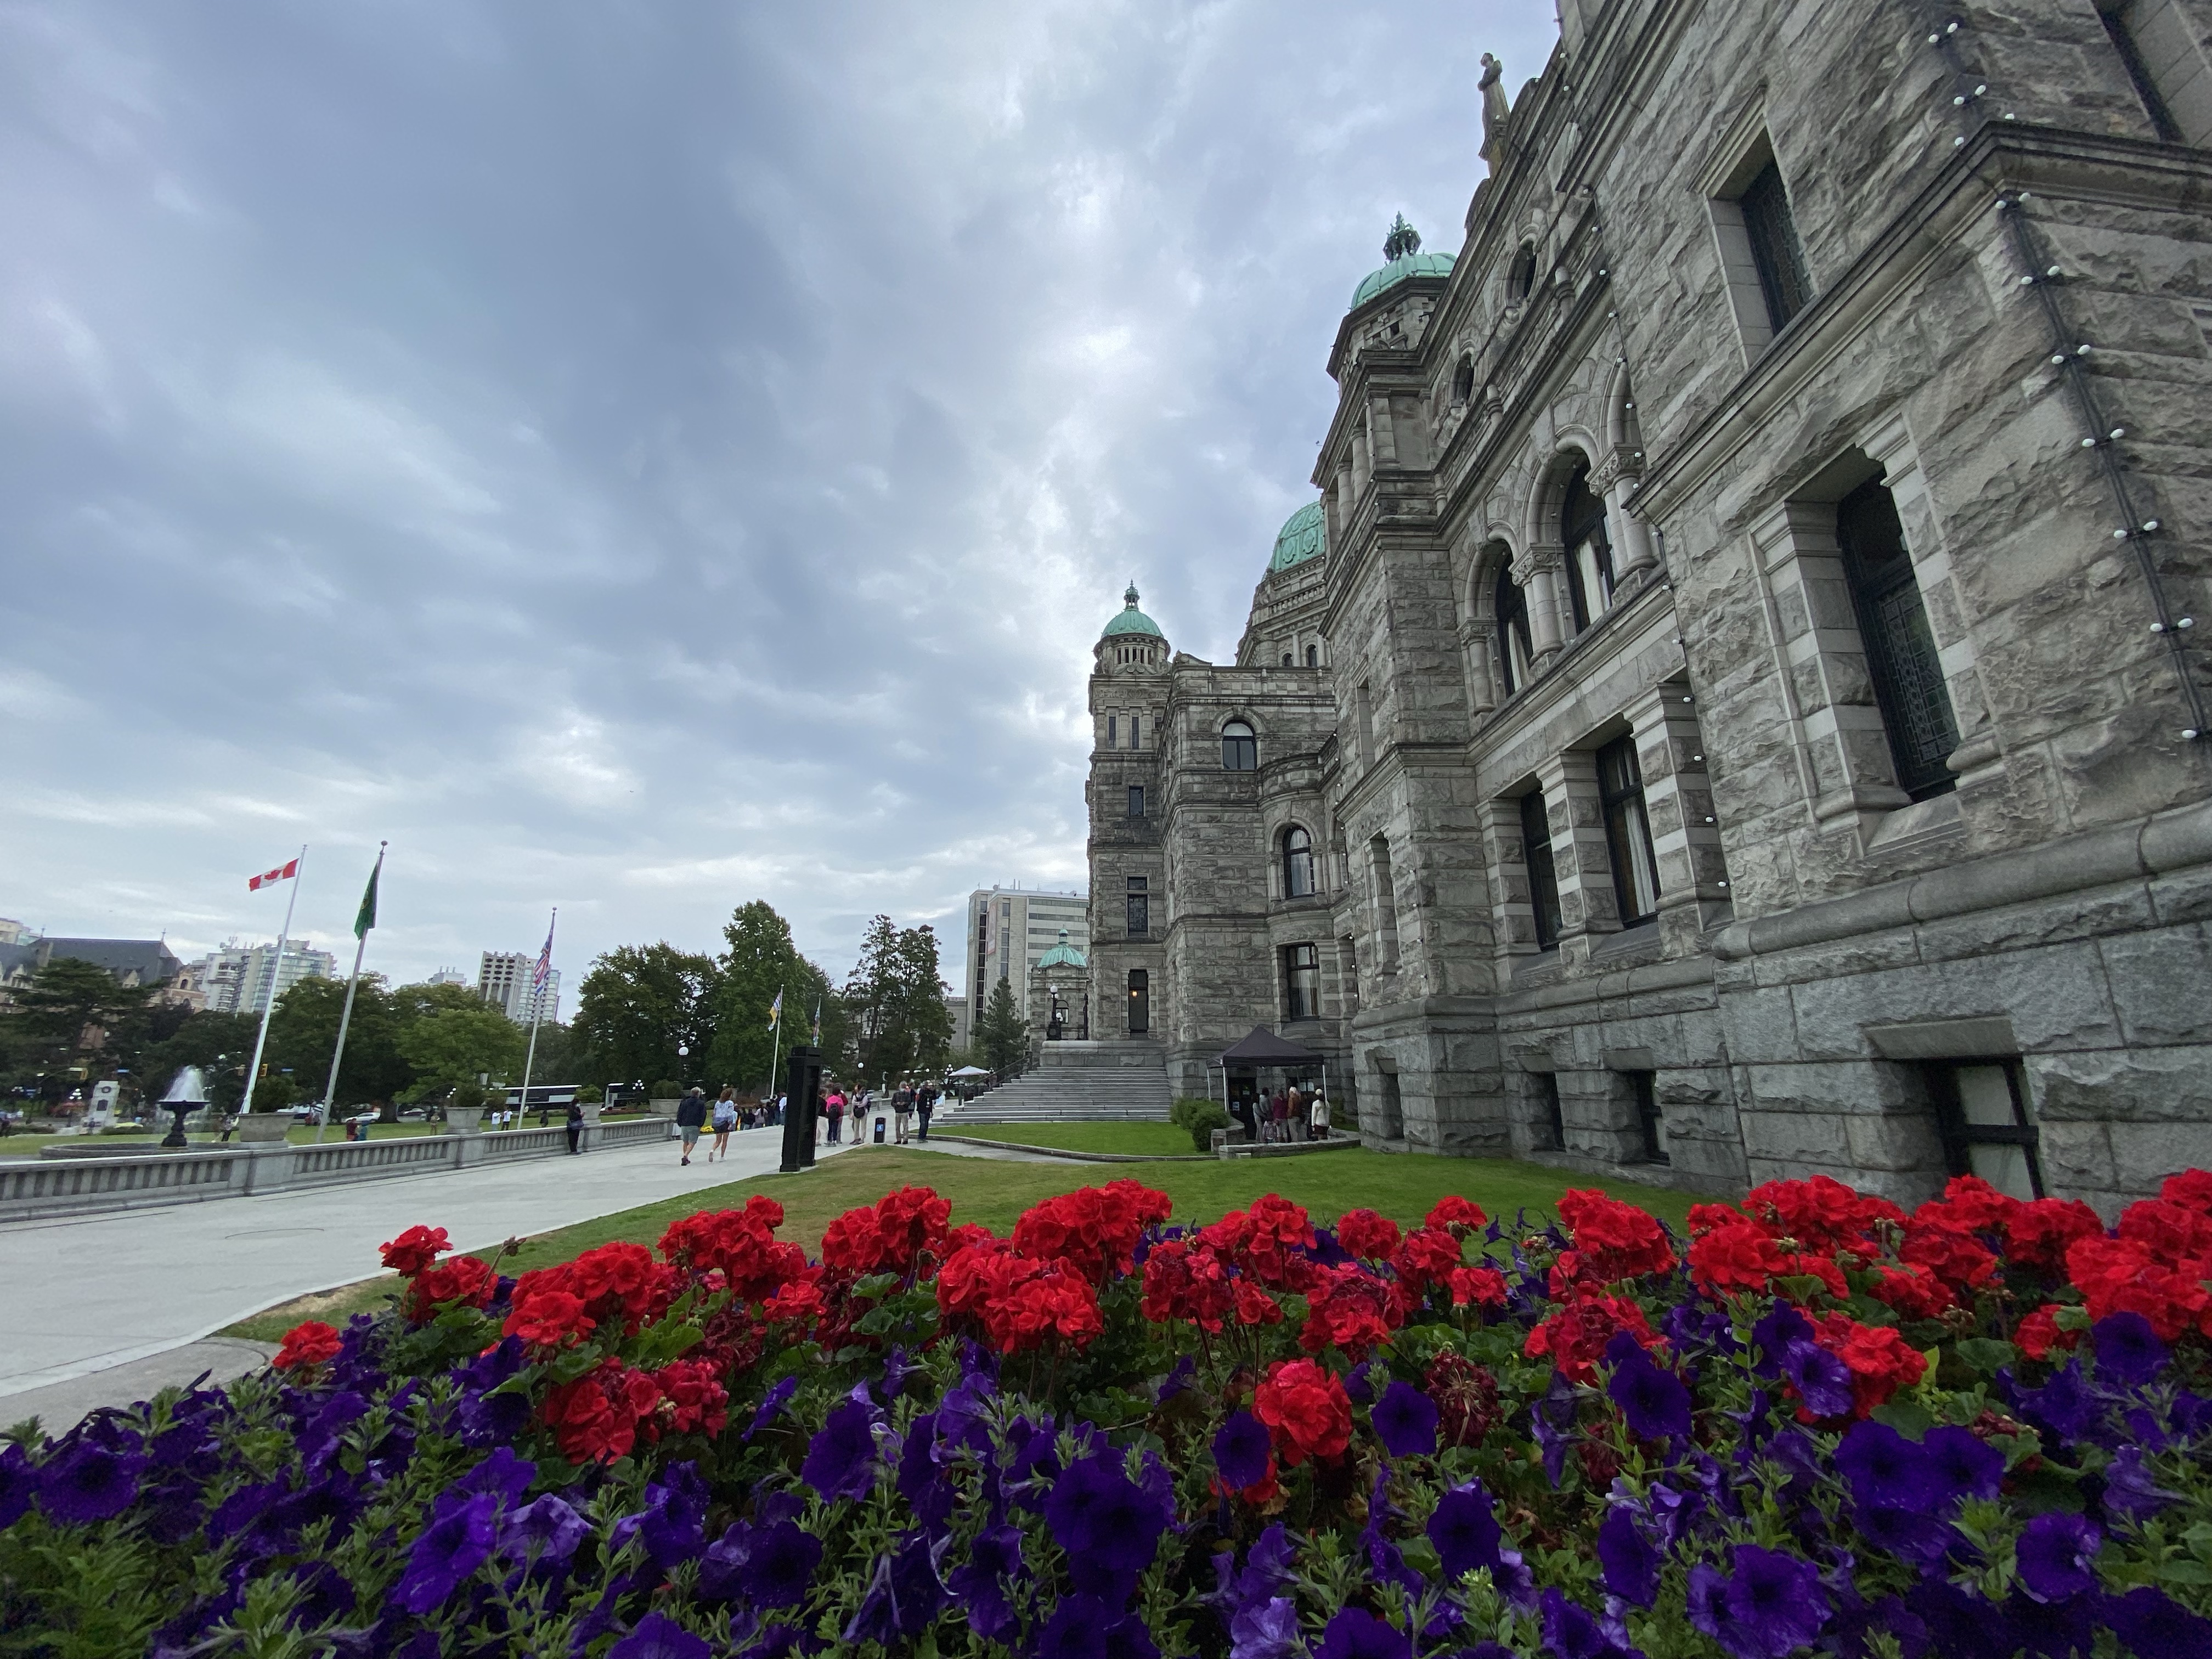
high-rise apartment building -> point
(503, 981)
(1009, 930)
(241, 979)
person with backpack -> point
(575, 1125)
(834, 1107)
(692, 1118)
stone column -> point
(1381, 433)
(1362, 470)
(1474, 647)
(1580, 860)
(1678, 800)
(1510, 896)
(1541, 573)
(1632, 538)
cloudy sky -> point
(643, 458)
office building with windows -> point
(503, 981)
(1010, 929)
(1736, 709)
(241, 979)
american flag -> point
(544, 967)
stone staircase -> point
(1075, 1082)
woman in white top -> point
(726, 1119)
(1320, 1117)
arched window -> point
(1463, 381)
(1240, 750)
(1521, 276)
(1590, 552)
(1297, 863)
(1313, 656)
(1514, 649)
(1288, 660)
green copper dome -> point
(1409, 264)
(1304, 536)
(1131, 620)
(1063, 955)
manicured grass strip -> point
(1150, 1139)
(996, 1193)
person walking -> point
(835, 1106)
(726, 1119)
(690, 1118)
(576, 1127)
(924, 1107)
(1320, 1111)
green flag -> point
(366, 919)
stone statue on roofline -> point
(1495, 110)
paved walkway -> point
(80, 1294)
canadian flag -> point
(282, 873)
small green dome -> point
(1304, 536)
(1063, 955)
(1409, 264)
(1131, 620)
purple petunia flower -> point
(1128, 1638)
(1354, 1633)
(840, 1461)
(1570, 1632)
(1464, 1529)
(1240, 1452)
(1773, 1606)
(503, 1474)
(770, 1405)
(2063, 1405)
(1077, 1630)
(87, 1483)
(1405, 1421)
(993, 1560)
(1823, 1380)
(658, 1636)
(1911, 1535)
(781, 1564)
(1631, 1564)
(447, 1551)
(2151, 1621)
(547, 1529)
(1265, 1630)
(1651, 1398)
(2127, 1350)
(1105, 1521)
(19, 1481)
(2131, 1492)
(1774, 1333)
(1961, 1464)
(2054, 1556)
(1884, 1468)
(1962, 1625)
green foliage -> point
(637, 1006)
(466, 1097)
(759, 960)
(896, 998)
(75, 1013)
(220, 1044)
(453, 1045)
(1203, 1118)
(667, 1088)
(303, 1032)
(1002, 1034)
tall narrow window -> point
(1463, 381)
(1240, 750)
(1902, 659)
(1134, 724)
(1543, 877)
(1521, 276)
(1628, 833)
(1140, 908)
(1590, 551)
(1288, 660)
(1551, 1117)
(1981, 1112)
(1113, 730)
(1313, 656)
(1301, 981)
(1140, 1002)
(1643, 1087)
(1386, 904)
(1297, 863)
(1774, 246)
(1514, 649)
(2125, 23)
(1136, 800)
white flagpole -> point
(276, 972)
(331, 1089)
(775, 1057)
(537, 1013)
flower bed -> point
(1815, 1423)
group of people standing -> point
(1289, 1114)
(909, 1102)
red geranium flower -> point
(1456, 1215)
(310, 1344)
(2039, 1333)
(465, 1281)
(1881, 1359)
(1306, 1411)
(414, 1249)
(2042, 1230)
(1913, 1292)
(1575, 1336)
(1350, 1307)
(1483, 1287)
(1188, 1281)
(893, 1235)
(1612, 1241)
(1429, 1256)
(1365, 1233)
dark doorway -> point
(1140, 1002)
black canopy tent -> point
(1263, 1050)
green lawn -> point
(994, 1193)
(1152, 1139)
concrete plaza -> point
(82, 1294)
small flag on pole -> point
(775, 1011)
(367, 918)
(817, 1022)
(283, 871)
(539, 973)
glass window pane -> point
(1985, 1096)
(2005, 1168)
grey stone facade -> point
(1861, 349)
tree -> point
(1002, 1034)
(453, 1046)
(760, 961)
(637, 1006)
(896, 998)
(75, 1013)
(303, 1033)
(219, 1044)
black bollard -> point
(803, 1087)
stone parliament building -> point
(1736, 709)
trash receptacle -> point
(879, 1129)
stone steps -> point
(1077, 1083)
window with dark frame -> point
(1297, 863)
(1590, 551)
(1113, 730)
(1643, 1087)
(1463, 381)
(2119, 28)
(1628, 832)
(1313, 656)
(1301, 981)
(1240, 750)
(1547, 1102)
(1134, 722)
(1289, 661)
(1136, 800)
(1543, 874)
(1521, 276)
(1515, 649)
(1909, 687)
(1140, 1002)
(1982, 1116)
(1775, 249)
(1140, 908)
